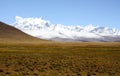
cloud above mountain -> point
(44, 29)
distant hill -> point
(11, 34)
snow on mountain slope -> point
(44, 29)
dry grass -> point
(59, 59)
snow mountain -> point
(44, 29)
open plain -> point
(60, 59)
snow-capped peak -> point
(44, 29)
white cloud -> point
(31, 21)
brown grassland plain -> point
(60, 59)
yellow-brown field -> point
(60, 59)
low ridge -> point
(11, 34)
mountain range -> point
(43, 29)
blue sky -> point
(66, 12)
